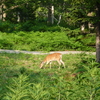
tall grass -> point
(22, 79)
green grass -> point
(22, 79)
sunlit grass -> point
(20, 74)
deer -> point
(53, 57)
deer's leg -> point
(59, 63)
(49, 62)
(62, 63)
(50, 65)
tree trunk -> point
(0, 12)
(51, 15)
(98, 33)
(2, 15)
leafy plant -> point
(44, 41)
(17, 88)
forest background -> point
(50, 25)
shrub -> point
(44, 41)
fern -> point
(17, 88)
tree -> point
(91, 6)
(98, 32)
(19, 10)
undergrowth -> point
(47, 41)
(22, 79)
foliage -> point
(30, 26)
(46, 41)
(73, 12)
(21, 78)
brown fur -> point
(53, 57)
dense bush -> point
(28, 26)
(45, 41)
